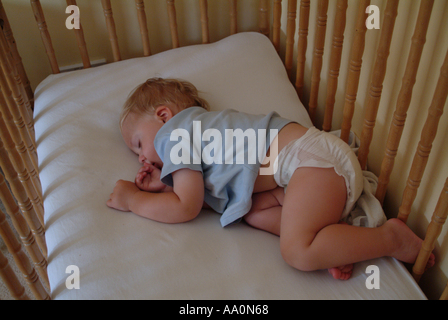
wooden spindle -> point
(319, 45)
(233, 16)
(24, 231)
(276, 26)
(20, 138)
(433, 232)
(302, 45)
(354, 70)
(11, 281)
(376, 86)
(16, 56)
(46, 39)
(173, 23)
(425, 145)
(290, 33)
(404, 97)
(17, 155)
(142, 21)
(110, 22)
(29, 211)
(264, 25)
(203, 4)
(79, 33)
(335, 62)
(22, 108)
(22, 262)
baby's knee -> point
(298, 257)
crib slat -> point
(404, 97)
(203, 4)
(17, 133)
(233, 16)
(14, 111)
(15, 55)
(354, 70)
(108, 13)
(173, 23)
(15, 248)
(140, 5)
(10, 280)
(276, 27)
(17, 154)
(46, 39)
(79, 33)
(319, 46)
(425, 145)
(22, 228)
(27, 207)
(290, 33)
(432, 233)
(335, 61)
(376, 86)
(17, 89)
(264, 25)
(302, 45)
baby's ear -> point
(164, 113)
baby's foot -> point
(342, 273)
(409, 244)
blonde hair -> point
(156, 92)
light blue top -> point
(224, 146)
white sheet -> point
(123, 256)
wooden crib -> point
(18, 146)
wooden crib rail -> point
(79, 33)
(46, 39)
(110, 22)
(18, 148)
(142, 21)
(376, 85)
(425, 145)
(405, 95)
(20, 258)
(433, 232)
(335, 61)
(354, 70)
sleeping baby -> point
(277, 175)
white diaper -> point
(322, 150)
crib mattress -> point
(122, 256)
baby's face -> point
(139, 132)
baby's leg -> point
(311, 237)
(266, 210)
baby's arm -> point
(180, 205)
(148, 179)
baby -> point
(185, 147)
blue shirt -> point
(227, 146)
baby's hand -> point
(122, 195)
(148, 179)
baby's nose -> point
(141, 159)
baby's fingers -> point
(139, 178)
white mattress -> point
(123, 256)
